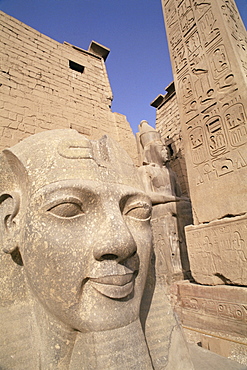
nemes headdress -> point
(148, 134)
(56, 155)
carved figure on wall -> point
(76, 221)
(171, 211)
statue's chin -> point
(98, 312)
(100, 307)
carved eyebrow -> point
(135, 196)
(78, 188)
(64, 189)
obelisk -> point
(207, 42)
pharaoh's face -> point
(161, 152)
(86, 249)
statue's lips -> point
(114, 286)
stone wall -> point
(169, 126)
(47, 85)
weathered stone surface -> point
(171, 212)
(46, 85)
(217, 251)
(169, 126)
(207, 42)
(205, 360)
(214, 317)
(75, 227)
(219, 309)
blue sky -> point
(138, 64)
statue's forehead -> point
(84, 186)
(58, 155)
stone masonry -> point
(169, 126)
(47, 85)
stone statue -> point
(171, 211)
(77, 279)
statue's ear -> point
(9, 220)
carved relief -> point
(201, 7)
(226, 87)
(228, 310)
(231, 311)
(223, 166)
(216, 137)
(212, 170)
(190, 303)
(179, 57)
(189, 102)
(186, 87)
(209, 28)
(235, 119)
(208, 172)
(193, 42)
(204, 90)
(197, 143)
(240, 161)
(218, 251)
(171, 14)
(219, 61)
(190, 109)
(234, 24)
(208, 142)
(186, 16)
(175, 37)
(211, 100)
(244, 66)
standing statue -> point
(171, 211)
(77, 278)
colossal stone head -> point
(77, 219)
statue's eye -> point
(66, 210)
(139, 210)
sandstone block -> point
(217, 251)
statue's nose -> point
(114, 241)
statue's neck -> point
(63, 349)
(121, 348)
(54, 341)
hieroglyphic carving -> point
(193, 42)
(220, 246)
(234, 23)
(210, 91)
(219, 308)
(228, 310)
(219, 61)
(186, 16)
(216, 137)
(171, 13)
(235, 119)
(197, 142)
(201, 7)
(209, 28)
(180, 58)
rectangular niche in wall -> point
(76, 67)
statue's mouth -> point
(114, 286)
